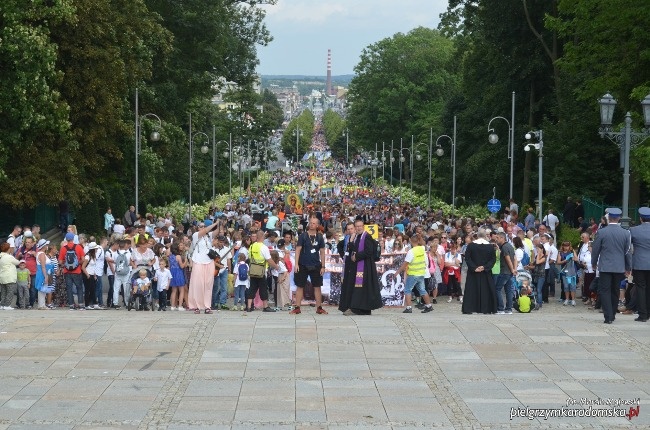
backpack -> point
(525, 261)
(242, 272)
(121, 264)
(71, 261)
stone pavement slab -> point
(232, 370)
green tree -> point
(400, 89)
(606, 50)
(334, 127)
(105, 51)
(34, 126)
(305, 123)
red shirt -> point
(80, 256)
(29, 255)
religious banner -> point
(392, 286)
(294, 203)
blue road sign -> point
(494, 205)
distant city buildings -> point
(222, 88)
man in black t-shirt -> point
(310, 262)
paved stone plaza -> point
(176, 370)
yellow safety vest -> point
(256, 254)
(417, 267)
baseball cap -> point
(69, 236)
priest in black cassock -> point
(360, 288)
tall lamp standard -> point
(346, 134)
(539, 146)
(440, 152)
(298, 133)
(626, 139)
(155, 136)
(205, 149)
(192, 160)
(392, 160)
(494, 138)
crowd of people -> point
(490, 266)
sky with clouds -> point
(303, 30)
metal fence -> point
(597, 210)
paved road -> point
(176, 370)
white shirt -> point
(112, 255)
(91, 266)
(519, 255)
(163, 276)
(551, 255)
(388, 245)
(585, 258)
(99, 264)
(118, 228)
(450, 259)
(584, 248)
(224, 255)
(551, 220)
(201, 247)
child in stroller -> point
(524, 299)
(140, 291)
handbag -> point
(257, 270)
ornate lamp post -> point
(626, 139)
(155, 136)
(494, 138)
(191, 147)
(539, 146)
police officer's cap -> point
(644, 213)
(614, 212)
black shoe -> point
(420, 305)
(607, 322)
(639, 319)
(268, 309)
(434, 301)
(407, 311)
(164, 309)
(248, 309)
(427, 309)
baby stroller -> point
(523, 275)
(140, 298)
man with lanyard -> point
(641, 262)
(611, 253)
(415, 266)
(310, 262)
(259, 254)
(223, 265)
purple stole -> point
(358, 282)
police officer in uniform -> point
(611, 253)
(641, 262)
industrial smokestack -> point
(329, 72)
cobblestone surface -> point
(177, 370)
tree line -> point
(70, 69)
(558, 56)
